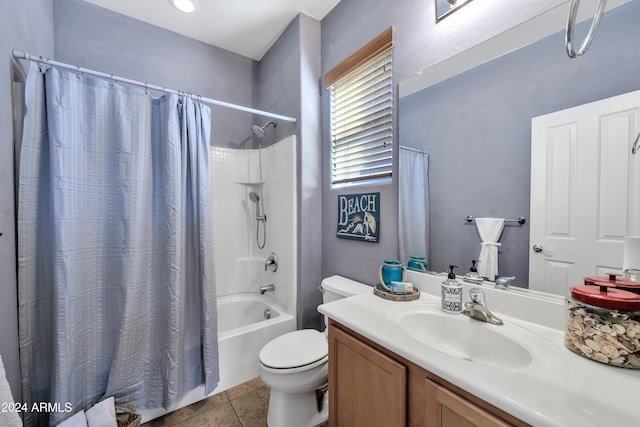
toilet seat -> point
(298, 350)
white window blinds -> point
(362, 121)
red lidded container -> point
(603, 323)
(613, 279)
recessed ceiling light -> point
(186, 6)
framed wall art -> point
(359, 216)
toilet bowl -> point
(295, 366)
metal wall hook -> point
(571, 27)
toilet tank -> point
(338, 287)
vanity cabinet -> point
(366, 387)
(371, 386)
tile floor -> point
(242, 406)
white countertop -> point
(558, 388)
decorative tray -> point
(382, 293)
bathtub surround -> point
(95, 268)
(239, 263)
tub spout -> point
(267, 288)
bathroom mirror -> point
(472, 114)
(446, 7)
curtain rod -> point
(23, 55)
(413, 149)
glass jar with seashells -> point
(603, 324)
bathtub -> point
(242, 331)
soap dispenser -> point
(452, 293)
(472, 276)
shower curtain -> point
(413, 204)
(116, 285)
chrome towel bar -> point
(521, 220)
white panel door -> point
(585, 187)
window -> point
(361, 91)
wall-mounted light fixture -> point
(446, 7)
(186, 6)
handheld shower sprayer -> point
(261, 218)
(255, 198)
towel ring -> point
(571, 27)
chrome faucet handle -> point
(477, 296)
(271, 263)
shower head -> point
(254, 197)
(259, 130)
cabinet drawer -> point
(444, 408)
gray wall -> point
(25, 26)
(349, 26)
(106, 41)
(277, 83)
(477, 129)
(287, 82)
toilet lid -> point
(294, 349)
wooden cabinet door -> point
(446, 409)
(366, 387)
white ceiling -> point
(246, 27)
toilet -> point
(295, 366)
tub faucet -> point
(271, 263)
(267, 288)
(477, 308)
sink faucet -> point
(504, 281)
(267, 288)
(477, 308)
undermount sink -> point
(459, 336)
